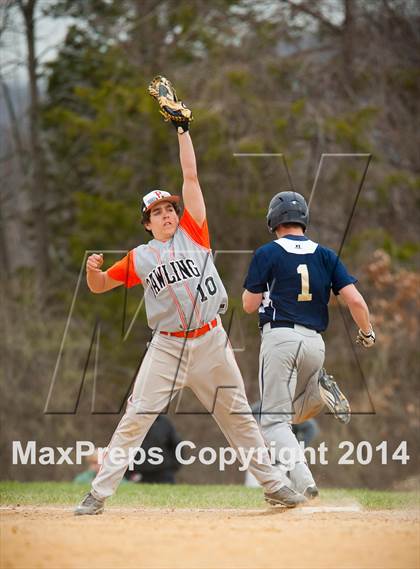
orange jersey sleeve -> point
(124, 271)
(200, 234)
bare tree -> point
(38, 182)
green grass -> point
(187, 496)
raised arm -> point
(191, 191)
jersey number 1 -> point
(305, 295)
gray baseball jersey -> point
(183, 289)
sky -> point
(50, 33)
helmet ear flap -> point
(271, 229)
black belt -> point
(285, 324)
(281, 324)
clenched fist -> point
(95, 262)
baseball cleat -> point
(285, 496)
(333, 397)
(311, 492)
(89, 506)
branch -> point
(314, 14)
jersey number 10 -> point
(210, 286)
(305, 295)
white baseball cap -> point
(156, 196)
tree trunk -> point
(38, 182)
(347, 38)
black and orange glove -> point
(171, 108)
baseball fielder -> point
(289, 282)
(184, 296)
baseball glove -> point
(171, 108)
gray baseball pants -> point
(290, 361)
(208, 367)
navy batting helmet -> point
(287, 207)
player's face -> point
(163, 221)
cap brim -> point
(170, 199)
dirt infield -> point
(40, 537)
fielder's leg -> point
(216, 380)
(160, 376)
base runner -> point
(184, 296)
(289, 282)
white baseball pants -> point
(208, 367)
(290, 362)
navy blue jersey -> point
(296, 276)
